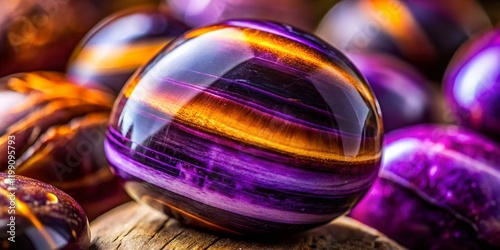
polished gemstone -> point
(425, 33)
(472, 84)
(404, 95)
(247, 127)
(438, 188)
(120, 44)
(36, 215)
(58, 129)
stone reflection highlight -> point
(247, 127)
(472, 84)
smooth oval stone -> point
(438, 188)
(247, 127)
(58, 129)
(304, 14)
(404, 95)
(114, 49)
(424, 33)
(36, 215)
(472, 84)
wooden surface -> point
(132, 226)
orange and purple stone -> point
(424, 33)
(120, 44)
(438, 188)
(58, 129)
(472, 84)
(247, 127)
(36, 215)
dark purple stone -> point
(404, 95)
(425, 33)
(472, 84)
(247, 127)
(36, 215)
(118, 45)
(438, 188)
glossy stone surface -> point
(247, 127)
(59, 129)
(304, 14)
(120, 44)
(438, 188)
(472, 84)
(404, 95)
(41, 34)
(39, 216)
(425, 33)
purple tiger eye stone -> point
(247, 127)
(438, 188)
(120, 44)
(404, 95)
(424, 33)
(36, 215)
(472, 84)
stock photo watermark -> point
(11, 189)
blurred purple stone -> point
(438, 188)
(247, 127)
(404, 95)
(424, 33)
(472, 84)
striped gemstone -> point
(247, 127)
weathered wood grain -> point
(132, 226)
